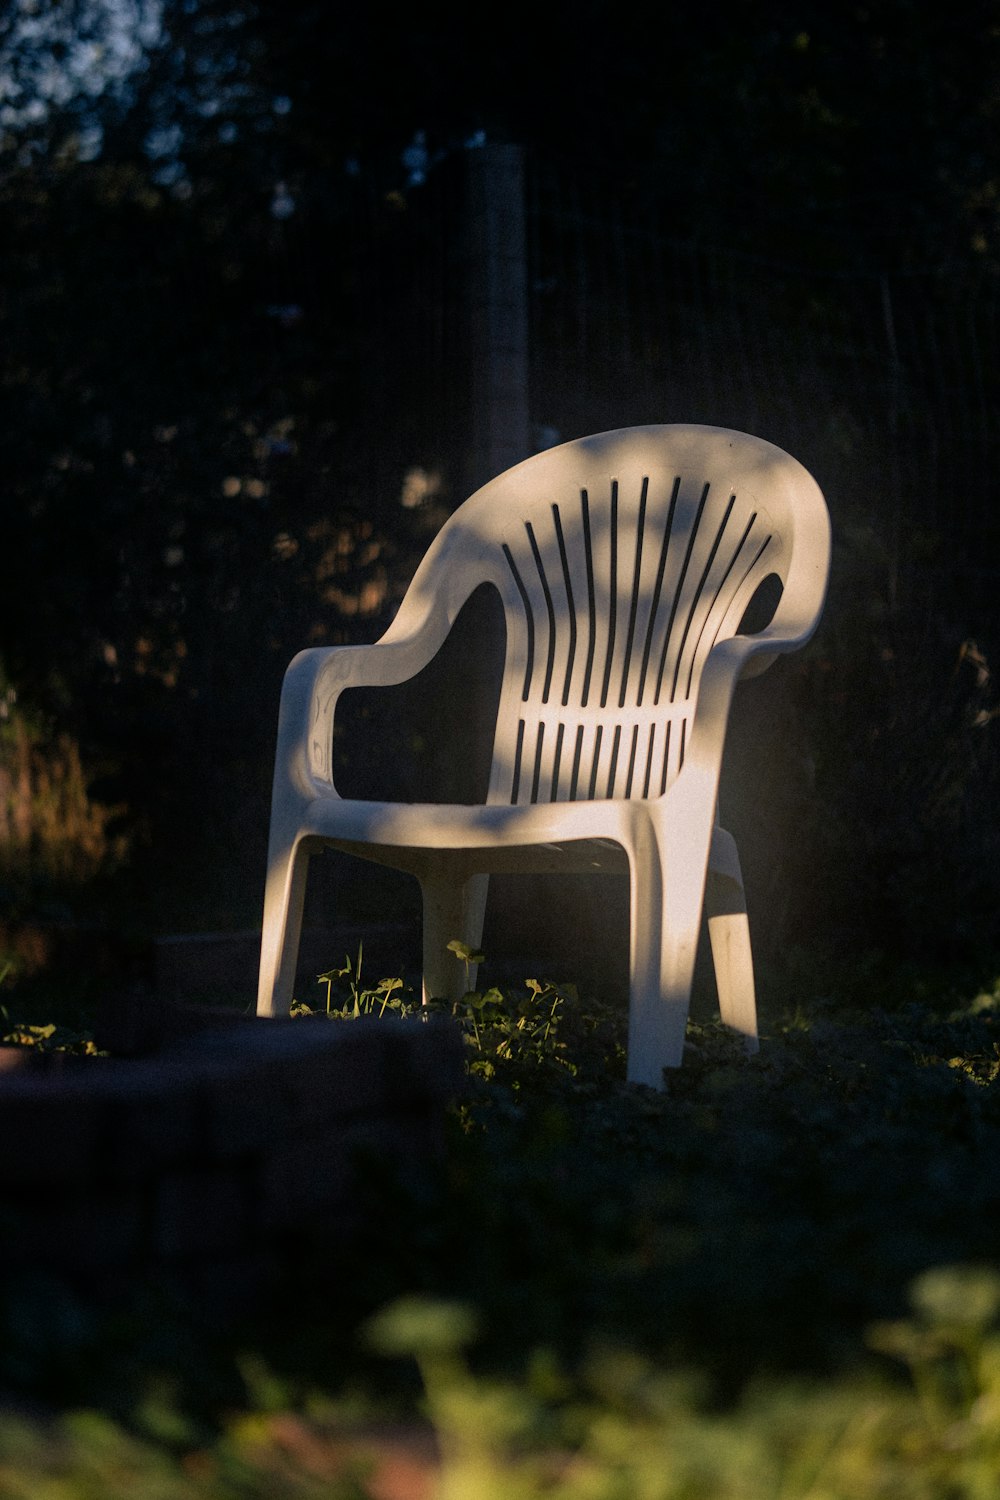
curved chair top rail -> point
(623, 560)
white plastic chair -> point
(625, 563)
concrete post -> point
(498, 310)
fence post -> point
(498, 310)
(894, 403)
(458, 702)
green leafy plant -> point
(346, 995)
(543, 1026)
(468, 956)
(508, 1024)
(48, 1038)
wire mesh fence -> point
(886, 386)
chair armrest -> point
(316, 677)
(729, 662)
(760, 650)
(802, 597)
(313, 683)
(741, 656)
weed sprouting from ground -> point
(517, 1030)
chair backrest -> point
(621, 560)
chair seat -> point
(482, 829)
(489, 840)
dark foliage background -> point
(235, 404)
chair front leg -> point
(284, 896)
(454, 906)
(668, 857)
(661, 969)
(729, 933)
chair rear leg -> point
(284, 896)
(453, 907)
(729, 934)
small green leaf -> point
(465, 953)
(963, 1295)
(420, 1325)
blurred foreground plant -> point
(618, 1427)
(626, 1428)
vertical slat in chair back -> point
(621, 568)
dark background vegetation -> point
(232, 337)
(236, 400)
